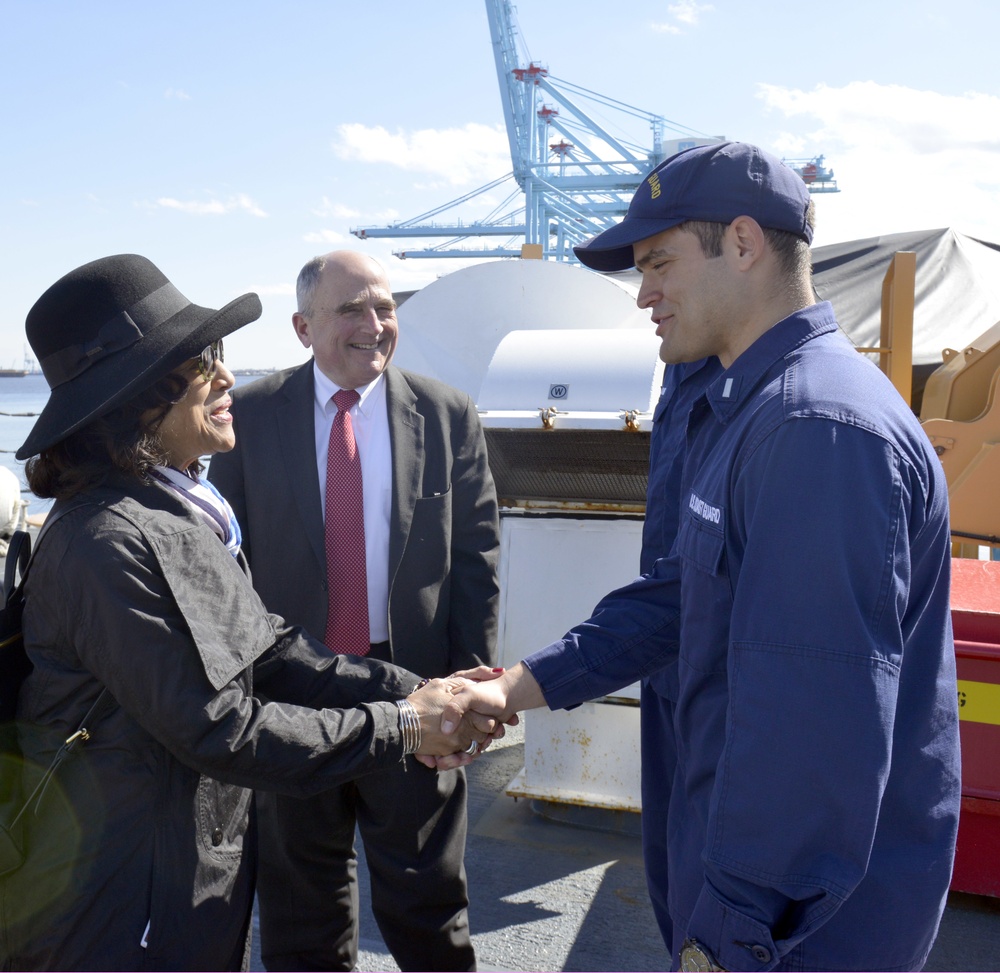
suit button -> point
(217, 837)
(761, 953)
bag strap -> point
(19, 552)
(18, 556)
(102, 706)
(104, 702)
(55, 514)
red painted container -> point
(975, 614)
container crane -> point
(572, 177)
(814, 173)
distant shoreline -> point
(24, 373)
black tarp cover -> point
(957, 287)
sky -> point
(230, 142)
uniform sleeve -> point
(820, 513)
(475, 545)
(632, 633)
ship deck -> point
(559, 888)
(554, 887)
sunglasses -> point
(206, 361)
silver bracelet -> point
(409, 726)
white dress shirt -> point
(370, 420)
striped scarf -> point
(206, 501)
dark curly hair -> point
(125, 441)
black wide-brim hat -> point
(109, 330)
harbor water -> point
(22, 398)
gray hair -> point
(305, 285)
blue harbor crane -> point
(571, 177)
(815, 174)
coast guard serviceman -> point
(813, 807)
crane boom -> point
(572, 188)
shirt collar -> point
(737, 383)
(324, 389)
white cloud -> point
(686, 13)
(904, 159)
(923, 122)
(324, 236)
(461, 156)
(213, 207)
(338, 210)
(176, 94)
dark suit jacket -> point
(444, 534)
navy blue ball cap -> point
(714, 183)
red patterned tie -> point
(346, 573)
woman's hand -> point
(474, 728)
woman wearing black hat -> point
(141, 855)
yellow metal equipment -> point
(959, 409)
(961, 416)
(895, 349)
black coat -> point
(152, 822)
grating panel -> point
(590, 465)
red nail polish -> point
(499, 670)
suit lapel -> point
(296, 447)
(406, 438)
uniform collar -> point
(728, 392)
(676, 375)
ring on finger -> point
(472, 749)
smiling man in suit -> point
(425, 596)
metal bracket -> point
(548, 415)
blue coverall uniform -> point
(682, 384)
(814, 804)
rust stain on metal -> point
(575, 506)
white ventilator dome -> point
(451, 328)
(12, 508)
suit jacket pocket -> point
(428, 547)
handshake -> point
(462, 714)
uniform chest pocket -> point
(701, 544)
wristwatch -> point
(696, 958)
